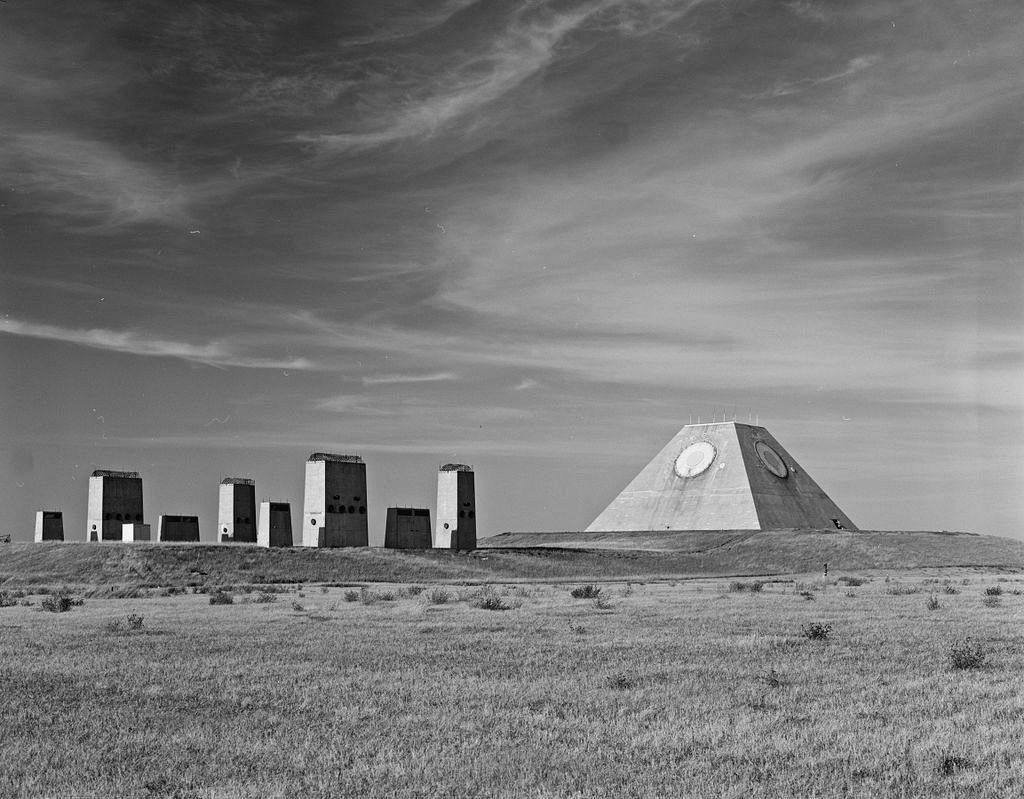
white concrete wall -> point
(447, 509)
(136, 532)
(94, 515)
(314, 502)
(225, 511)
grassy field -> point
(703, 687)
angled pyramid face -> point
(721, 476)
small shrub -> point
(367, 597)
(27, 603)
(302, 595)
(221, 598)
(770, 679)
(8, 599)
(133, 621)
(951, 764)
(438, 596)
(816, 630)
(994, 590)
(586, 592)
(949, 589)
(264, 597)
(966, 654)
(414, 590)
(491, 602)
(351, 596)
(59, 603)
(602, 603)
(386, 596)
(621, 681)
(324, 589)
(297, 607)
(850, 594)
(932, 603)
(900, 589)
(628, 590)
(807, 595)
(852, 581)
(579, 629)
(991, 600)
(754, 587)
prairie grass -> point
(669, 693)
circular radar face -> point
(695, 459)
(771, 460)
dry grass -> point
(676, 690)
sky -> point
(534, 237)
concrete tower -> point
(49, 525)
(178, 528)
(334, 508)
(721, 476)
(456, 508)
(236, 511)
(114, 499)
(407, 528)
(274, 524)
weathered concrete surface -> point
(114, 499)
(49, 526)
(334, 503)
(407, 528)
(236, 511)
(178, 528)
(721, 476)
(456, 508)
(274, 524)
(136, 532)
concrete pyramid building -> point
(721, 476)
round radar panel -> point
(695, 459)
(771, 459)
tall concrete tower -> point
(236, 511)
(274, 527)
(49, 525)
(721, 476)
(334, 509)
(456, 508)
(115, 498)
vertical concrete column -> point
(334, 507)
(456, 508)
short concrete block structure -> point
(178, 528)
(236, 511)
(115, 498)
(456, 507)
(334, 507)
(274, 524)
(407, 528)
(49, 525)
(136, 532)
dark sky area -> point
(536, 237)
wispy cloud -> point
(384, 380)
(90, 185)
(210, 354)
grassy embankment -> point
(686, 689)
(127, 569)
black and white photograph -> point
(511, 398)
